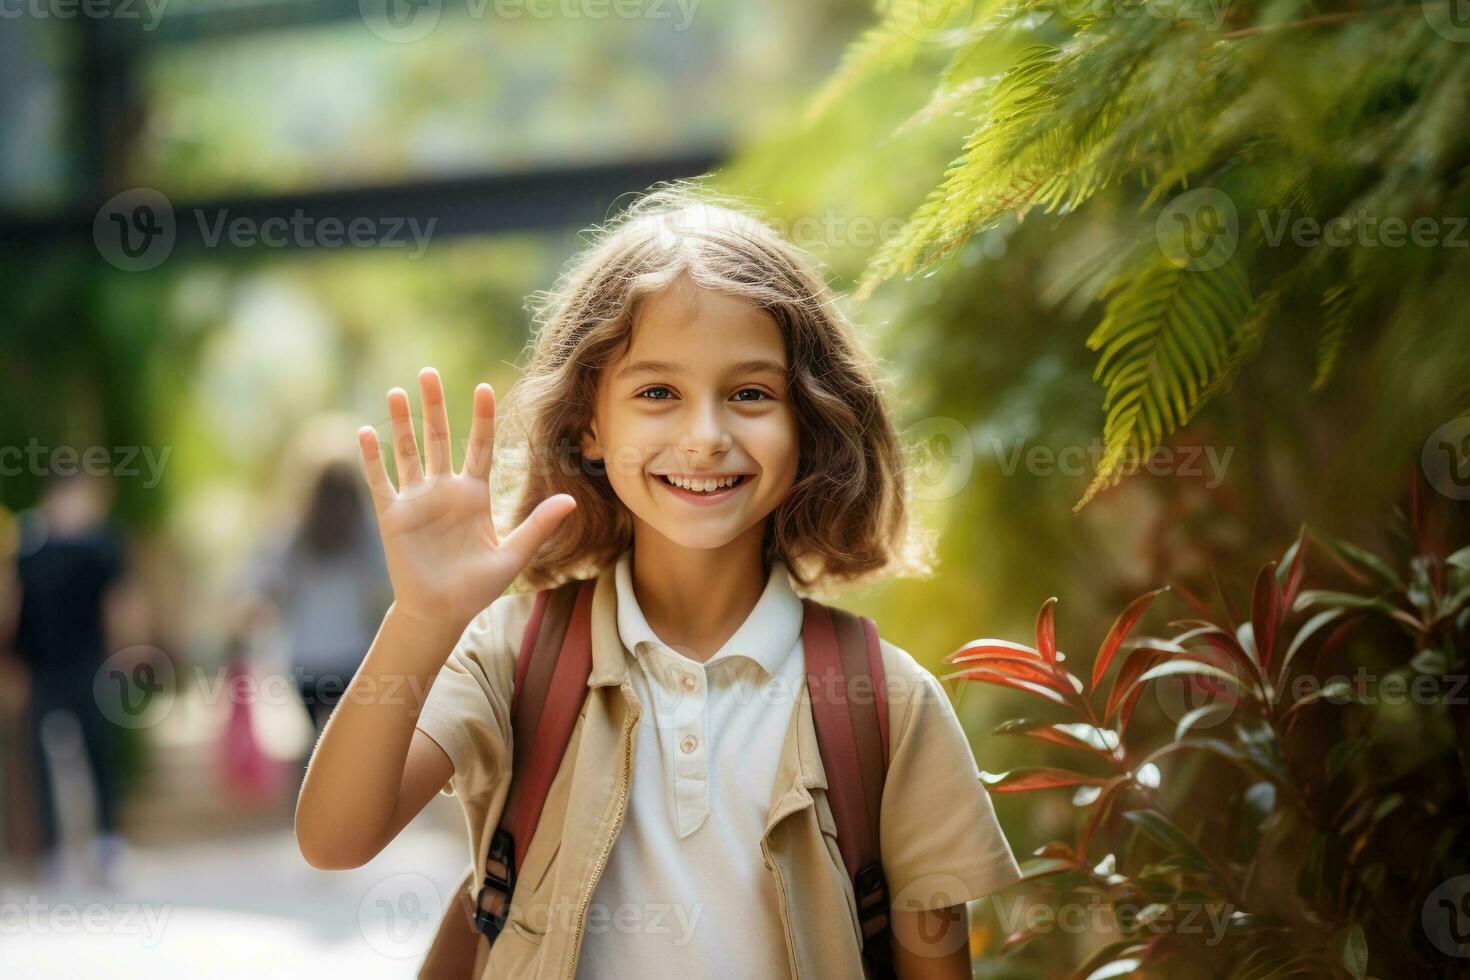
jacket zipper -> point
(785, 919)
(602, 858)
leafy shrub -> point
(1313, 803)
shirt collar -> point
(768, 636)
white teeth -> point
(702, 486)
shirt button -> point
(688, 744)
(688, 682)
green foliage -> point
(1168, 334)
(1348, 116)
(1309, 843)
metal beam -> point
(542, 199)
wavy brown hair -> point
(845, 518)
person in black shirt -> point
(69, 562)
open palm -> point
(445, 559)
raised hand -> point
(445, 559)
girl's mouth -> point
(699, 497)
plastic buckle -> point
(870, 887)
(502, 849)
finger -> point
(527, 539)
(405, 450)
(373, 469)
(481, 450)
(437, 457)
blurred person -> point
(327, 584)
(17, 810)
(68, 580)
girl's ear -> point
(590, 447)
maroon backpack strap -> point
(844, 666)
(552, 668)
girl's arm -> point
(370, 773)
(933, 945)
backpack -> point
(551, 674)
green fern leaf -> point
(1262, 312)
(1168, 339)
(907, 29)
(990, 178)
(1337, 309)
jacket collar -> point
(609, 657)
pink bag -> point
(250, 774)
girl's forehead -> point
(683, 300)
(701, 328)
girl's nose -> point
(707, 431)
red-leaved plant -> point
(1313, 821)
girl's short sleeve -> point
(940, 840)
(467, 709)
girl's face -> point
(700, 394)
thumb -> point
(532, 533)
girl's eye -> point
(649, 394)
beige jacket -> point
(940, 841)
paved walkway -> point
(244, 906)
(209, 887)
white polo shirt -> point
(685, 892)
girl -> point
(702, 436)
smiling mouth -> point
(724, 491)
